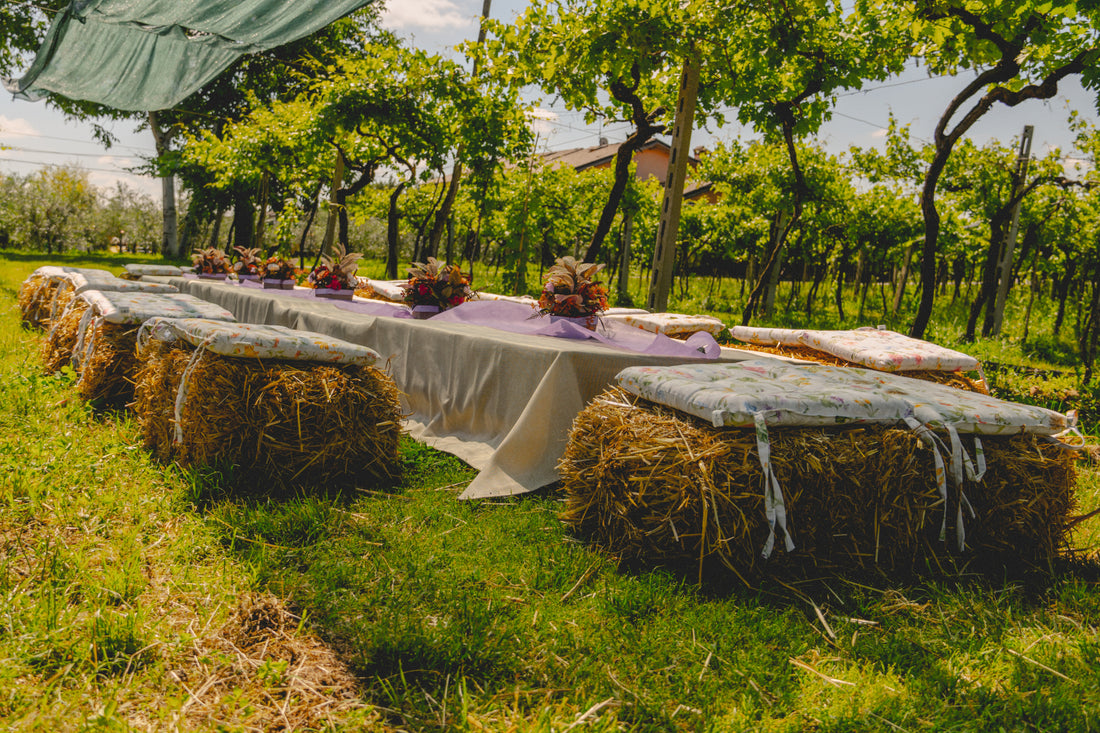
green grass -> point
(481, 615)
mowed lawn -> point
(134, 595)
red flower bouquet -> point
(210, 261)
(436, 284)
(337, 272)
(571, 292)
(248, 262)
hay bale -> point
(35, 296)
(652, 484)
(281, 424)
(958, 380)
(57, 349)
(107, 371)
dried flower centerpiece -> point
(334, 277)
(435, 286)
(210, 263)
(278, 273)
(571, 292)
(248, 263)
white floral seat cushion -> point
(888, 351)
(252, 341)
(139, 307)
(79, 282)
(671, 324)
(140, 270)
(768, 336)
(522, 299)
(391, 290)
(55, 271)
(814, 394)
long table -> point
(501, 401)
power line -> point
(60, 152)
(40, 164)
(18, 133)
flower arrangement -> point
(248, 262)
(570, 290)
(336, 272)
(278, 268)
(210, 261)
(437, 284)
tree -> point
(781, 65)
(612, 59)
(1019, 50)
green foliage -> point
(57, 209)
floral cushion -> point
(768, 336)
(105, 281)
(139, 270)
(252, 341)
(671, 324)
(887, 351)
(523, 299)
(139, 307)
(624, 311)
(388, 289)
(54, 271)
(792, 394)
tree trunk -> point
(262, 219)
(903, 278)
(393, 217)
(170, 240)
(242, 218)
(443, 213)
(989, 281)
(623, 288)
(215, 231)
(1062, 288)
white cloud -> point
(16, 126)
(426, 15)
(143, 184)
(114, 161)
(541, 120)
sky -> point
(33, 135)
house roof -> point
(582, 158)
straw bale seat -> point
(36, 294)
(856, 488)
(66, 283)
(284, 408)
(106, 350)
(870, 348)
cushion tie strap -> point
(774, 508)
(82, 338)
(181, 393)
(926, 436)
(962, 468)
(61, 288)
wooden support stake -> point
(664, 253)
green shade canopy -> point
(152, 54)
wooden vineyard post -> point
(664, 253)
